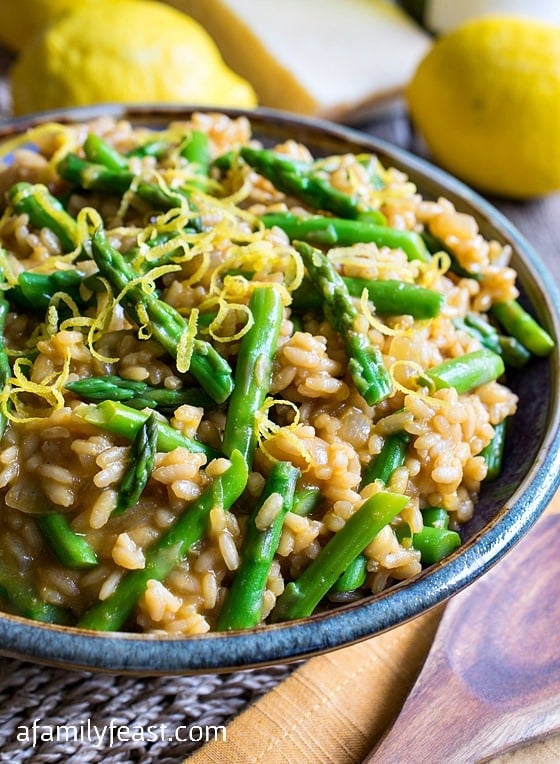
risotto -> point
(240, 384)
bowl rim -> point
(129, 653)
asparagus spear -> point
(466, 372)
(510, 314)
(300, 180)
(243, 604)
(17, 593)
(354, 577)
(512, 351)
(167, 325)
(520, 324)
(306, 500)
(253, 371)
(122, 420)
(365, 364)
(44, 211)
(301, 597)
(435, 543)
(196, 150)
(436, 517)
(156, 147)
(97, 177)
(100, 152)
(331, 231)
(34, 291)
(390, 297)
(493, 453)
(71, 548)
(391, 456)
(140, 465)
(137, 394)
(174, 544)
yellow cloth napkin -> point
(335, 707)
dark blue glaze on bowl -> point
(507, 509)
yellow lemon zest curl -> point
(267, 430)
(146, 282)
(430, 272)
(419, 373)
(185, 346)
(265, 262)
(64, 135)
(49, 390)
(225, 309)
(96, 326)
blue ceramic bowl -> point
(507, 509)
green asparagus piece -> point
(144, 265)
(306, 500)
(97, 177)
(242, 608)
(434, 544)
(124, 421)
(44, 211)
(224, 162)
(512, 351)
(478, 327)
(493, 453)
(34, 291)
(520, 324)
(253, 371)
(365, 364)
(152, 148)
(354, 577)
(302, 181)
(71, 548)
(139, 395)
(17, 594)
(301, 597)
(390, 297)
(466, 372)
(436, 517)
(100, 152)
(167, 325)
(327, 231)
(172, 547)
(196, 150)
(140, 465)
(391, 456)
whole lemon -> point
(128, 51)
(21, 19)
(486, 99)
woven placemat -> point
(73, 717)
